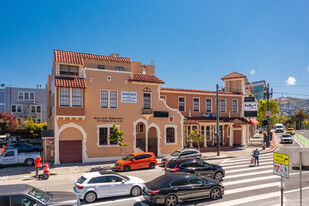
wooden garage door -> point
(70, 151)
(237, 137)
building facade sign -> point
(128, 97)
(109, 119)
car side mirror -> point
(133, 160)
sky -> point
(193, 43)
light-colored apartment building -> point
(87, 93)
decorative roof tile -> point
(195, 90)
(69, 57)
(234, 75)
(70, 82)
(146, 78)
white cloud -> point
(252, 71)
(290, 81)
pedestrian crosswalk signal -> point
(264, 123)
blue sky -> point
(193, 43)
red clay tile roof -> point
(196, 120)
(146, 78)
(234, 75)
(194, 90)
(70, 82)
(69, 57)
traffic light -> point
(265, 123)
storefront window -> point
(103, 136)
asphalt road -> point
(304, 133)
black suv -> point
(197, 167)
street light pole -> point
(218, 140)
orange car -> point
(137, 161)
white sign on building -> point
(128, 97)
(250, 106)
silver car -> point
(94, 185)
(182, 154)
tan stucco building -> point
(88, 93)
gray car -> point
(23, 194)
(182, 154)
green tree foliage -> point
(282, 118)
(31, 125)
(7, 122)
(273, 107)
(299, 117)
(118, 137)
(195, 137)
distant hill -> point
(290, 105)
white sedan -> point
(94, 185)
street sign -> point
(281, 158)
(268, 113)
(281, 165)
(281, 170)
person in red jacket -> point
(37, 165)
(2, 150)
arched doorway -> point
(141, 136)
(153, 140)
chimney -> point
(116, 55)
(112, 55)
(37, 86)
(40, 86)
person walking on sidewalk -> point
(37, 165)
(256, 154)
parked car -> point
(182, 154)
(195, 166)
(286, 138)
(136, 161)
(3, 139)
(13, 156)
(24, 147)
(23, 194)
(290, 131)
(94, 185)
(170, 189)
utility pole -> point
(218, 140)
(268, 95)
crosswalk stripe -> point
(255, 187)
(248, 169)
(246, 199)
(251, 180)
(249, 174)
(245, 161)
(238, 166)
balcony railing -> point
(147, 111)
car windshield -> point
(290, 129)
(81, 180)
(176, 153)
(128, 157)
(279, 126)
(39, 194)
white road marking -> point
(246, 161)
(251, 180)
(238, 166)
(249, 174)
(255, 187)
(224, 161)
(248, 158)
(137, 199)
(290, 191)
(248, 169)
(299, 143)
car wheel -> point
(215, 193)
(90, 197)
(127, 168)
(218, 176)
(136, 191)
(152, 165)
(171, 200)
(29, 162)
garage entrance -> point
(70, 151)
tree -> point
(273, 107)
(117, 136)
(7, 122)
(195, 137)
(298, 117)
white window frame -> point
(163, 97)
(33, 95)
(175, 133)
(150, 99)
(210, 105)
(108, 99)
(36, 108)
(21, 95)
(224, 105)
(184, 103)
(17, 105)
(108, 126)
(236, 106)
(71, 98)
(199, 104)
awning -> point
(254, 122)
(70, 82)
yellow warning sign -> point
(281, 158)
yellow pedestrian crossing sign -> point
(281, 158)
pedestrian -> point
(256, 155)
(2, 150)
(37, 165)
